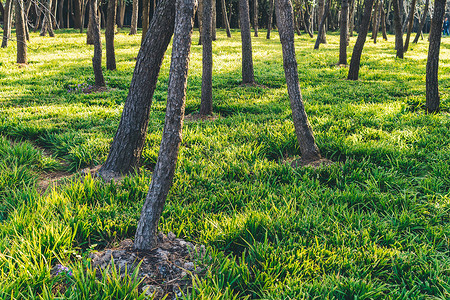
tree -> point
(375, 22)
(432, 88)
(109, 35)
(200, 20)
(97, 59)
(383, 21)
(226, 24)
(146, 232)
(255, 17)
(206, 101)
(305, 137)
(398, 29)
(127, 145)
(20, 33)
(47, 25)
(410, 24)
(321, 35)
(134, 17)
(422, 21)
(353, 70)
(246, 38)
(145, 17)
(320, 13)
(269, 22)
(7, 23)
(343, 27)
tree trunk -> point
(145, 18)
(269, 25)
(200, 20)
(121, 10)
(225, 18)
(60, 14)
(398, 30)
(207, 60)
(375, 22)
(26, 12)
(422, 21)
(353, 71)
(410, 26)
(53, 13)
(109, 35)
(7, 23)
(383, 21)
(320, 16)
(246, 38)
(83, 14)
(306, 21)
(214, 22)
(146, 232)
(126, 148)
(432, 88)
(351, 22)
(255, 17)
(343, 33)
(90, 40)
(305, 136)
(47, 26)
(78, 13)
(38, 11)
(134, 17)
(321, 37)
(97, 59)
(20, 33)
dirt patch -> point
(299, 163)
(198, 117)
(165, 271)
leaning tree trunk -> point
(246, 38)
(321, 37)
(270, 20)
(410, 25)
(146, 232)
(47, 26)
(353, 70)
(422, 21)
(207, 60)
(432, 88)
(398, 30)
(134, 17)
(343, 27)
(109, 35)
(97, 59)
(255, 17)
(305, 137)
(7, 23)
(126, 148)
(145, 18)
(20, 33)
(225, 18)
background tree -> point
(422, 21)
(145, 17)
(97, 59)
(20, 33)
(200, 20)
(321, 34)
(47, 25)
(246, 38)
(343, 38)
(432, 87)
(270, 19)
(7, 23)
(375, 21)
(134, 17)
(255, 17)
(398, 29)
(146, 232)
(410, 24)
(320, 12)
(109, 35)
(225, 18)
(207, 60)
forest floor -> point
(375, 224)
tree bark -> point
(83, 15)
(320, 16)
(109, 35)
(7, 23)
(353, 71)
(383, 21)
(126, 148)
(121, 12)
(214, 21)
(225, 18)
(246, 38)
(53, 13)
(26, 12)
(97, 59)
(78, 13)
(398, 30)
(145, 18)
(422, 21)
(269, 25)
(207, 60)
(343, 33)
(134, 17)
(321, 37)
(20, 33)
(351, 22)
(90, 40)
(200, 20)
(375, 22)
(47, 26)
(60, 13)
(432, 87)
(146, 232)
(303, 130)
(255, 17)
(410, 25)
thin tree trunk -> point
(83, 13)
(321, 37)
(146, 232)
(90, 40)
(398, 30)
(134, 17)
(60, 14)
(269, 26)
(214, 21)
(145, 17)
(109, 35)
(305, 137)
(422, 21)
(320, 16)
(38, 16)
(20, 33)
(432, 87)
(353, 70)
(121, 11)
(352, 18)
(47, 26)
(26, 12)
(306, 21)
(246, 38)
(383, 21)
(200, 20)
(255, 17)
(69, 5)
(225, 18)
(7, 23)
(78, 13)
(53, 13)
(207, 60)
(375, 22)
(126, 148)
(97, 59)
(410, 26)
(343, 33)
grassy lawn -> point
(375, 225)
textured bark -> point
(20, 32)
(145, 17)
(47, 25)
(214, 22)
(269, 22)
(121, 13)
(97, 59)
(225, 18)
(383, 21)
(398, 30)
(7, 23)
(422, 21)
(343, 33)
(200, 20)
(320, 16)
(134, 17)
(77, 10)
(129, 140)
(432, 87)
(255, 17)
(206, 100)
(321, 36)
(109, 35)
(353, 71)
(90, 29)
(305, 136)
(375, 22)
(410, 25)
(145, 238)
(246, 38)
(351, 23)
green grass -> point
(376, 225)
